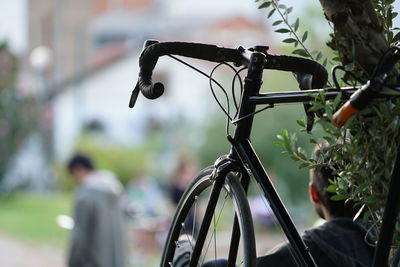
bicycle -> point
(233, 172)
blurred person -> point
(146, 196)
(339, 241)
(147, 213)
(97, 237)
(185, 171)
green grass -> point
(32, 217)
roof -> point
(237, 23)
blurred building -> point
(92, 49)
(95, 46)
(79, 32)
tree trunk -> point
(359, 31)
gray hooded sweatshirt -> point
(97, 237)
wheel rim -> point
(216, 246)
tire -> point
(191, 200)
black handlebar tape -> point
(369, 91)
(150, 55)
(302, 65)
(389, 59)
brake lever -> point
(305, 82)
(134, 95)
(136, 90)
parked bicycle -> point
(227, 181)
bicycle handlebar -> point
(152, 50)
(363, 96)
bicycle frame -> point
(243, 150)
(244, 159)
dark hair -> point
(321, 177)
(80, 160)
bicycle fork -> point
(223, 166)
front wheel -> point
(230, 236)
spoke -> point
(194, 215)
(187, 235)
(219, 216)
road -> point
(15, 253)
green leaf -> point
(285, 134)
(271, 13)
(331, 188)
(294, 158)
(282, 6)
(300, 52)
(301, 123)
(349, 67)
(360, 188)
(337, 100)
(325, 62)
(396, 37)
(289, 40)
(289, 10)
(265, 5)
(279, 144)
(319, 56)
(304, 164)
(338, 197)
(304, 36)
(296, 24)
(277, 22)
(282, 30)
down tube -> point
(301, 253)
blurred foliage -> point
(365, 149)
(32, 217)
(363, 154)
(124, 161)
(17, 114)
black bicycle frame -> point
(243, 157)
(243, 150)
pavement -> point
(16, 253)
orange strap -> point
(344, 114)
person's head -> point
(79, 166)
(319, 181)
(185, 170)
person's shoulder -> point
(343, 222)
(104, 181)
(336, 227)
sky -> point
(13, 23)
